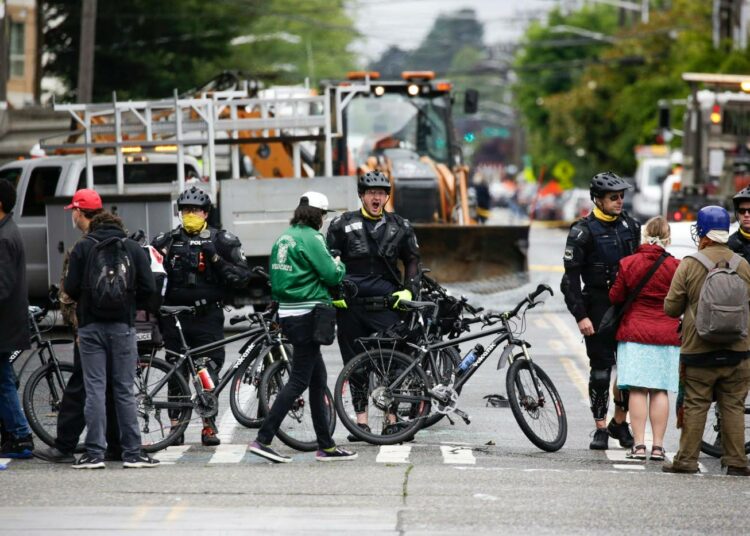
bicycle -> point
(43, 392)
(164, 413)
(711, 443)
(397, 387)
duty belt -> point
(372, 303)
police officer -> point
(739, 241)
(593, 250)
(371, 241)
(202, 264)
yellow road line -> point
(175, 512)
(574, 373)
(547, 268)
(139, 514)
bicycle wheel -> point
(42, 396)
(296, 430)
(446, 361)
(244, 395)
(158, 430)
(394, 413)
(711, 443)
(539, 412)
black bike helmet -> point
(608, 181)
(373, 179)
(742, 195)
(194, 197)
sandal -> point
(657, 453)
(633, 453)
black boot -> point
(621, 432)
(601, 440)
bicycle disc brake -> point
(207, 405)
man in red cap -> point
(85, 205)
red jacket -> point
(645, 321)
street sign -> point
(564, 171)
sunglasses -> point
(615, 197)
(743, 210)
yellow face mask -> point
(193, 223)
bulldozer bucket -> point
(458, 253)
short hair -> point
(7, 195)
(307, 215)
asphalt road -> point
(484, 478)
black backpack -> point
(109, 278)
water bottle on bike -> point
(470, 358)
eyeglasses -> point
(376, 193)
(191, 210)
(744, 211)
(615, 197)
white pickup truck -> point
(257, 211)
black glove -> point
(209, 250)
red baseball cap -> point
(85, 199)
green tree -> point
(144, 48)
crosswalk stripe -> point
(460, 455)
(629, 467)
(171, 454)
(5, 461)
(393, 454)
(227, 425)
(228, 454)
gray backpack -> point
(723, 313)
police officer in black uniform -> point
(371, 241)
(202, 264)
(739, 241)
(593, 251)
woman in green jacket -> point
(302, 270)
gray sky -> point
(406, 22)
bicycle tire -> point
(244, 393)
(151, 406)
(378, 366)
(296, 430)
(711, 441)
(527, 410)
(448, 359)
(42, 396)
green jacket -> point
(302, 269)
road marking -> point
(556, 345)
(459, 455)
(559, 268)
(172, 454)
(228, 454)
(575, 374)
(540, 322)
(5, 461)
(572, 340)
(393, 454)
(629, 467)
(175, 512)
(485, 497)
(139, 514)
(227, 426)
(619, 456)
(669, 458)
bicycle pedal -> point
(463, 415)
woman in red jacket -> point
(648, 347)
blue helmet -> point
(710, 218)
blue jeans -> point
(109, 349)
(11, 413)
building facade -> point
(21, 35)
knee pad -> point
(599, 392)
(622, 400)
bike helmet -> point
(742, 195)
(194, 197)
(373, 179)
(608, 181)
(710, 218)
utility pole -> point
(86, 52)
(4, 54)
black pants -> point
(308, 370)
(71, 421)
(600, 350)
(356, 322)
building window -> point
(17, 56)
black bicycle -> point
(43, 392)
(165, 402)
(395, 392)
(711, 443)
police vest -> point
(365, 254)
(740, 245)
(191, 276)
(610, 243)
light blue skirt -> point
(651, 366)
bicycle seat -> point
(171, 310)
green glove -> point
(340, 304)
(401, 295)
